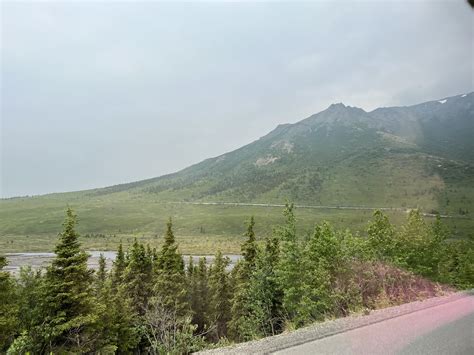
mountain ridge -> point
(412, 156)
(338, 133)
(336, 108)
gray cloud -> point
(95, 94)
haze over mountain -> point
(340, 156)
(415, 156)
(101, 93)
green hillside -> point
(401, 157)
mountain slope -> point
(342, 155)
(415, 156)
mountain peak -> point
(337, 106)
(341, 107)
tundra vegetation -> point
(399, 158)
(150, 302)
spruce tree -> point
(242, 300)
(122, 321)
(101, 276)
(274, 299)
(8, 307)
(413, 244)
(219, 288)
(437, 247)
(266, 295)
(464, 272)
(320, 262)
(381, 236)
(190, 268)
(30, 286)
(119, 324)
(249, 251)
(137, 277)
(199, 295)
(262, 315)
(288, 270)
(118, 268)
(68, 296)
(170, 285)
(191, 285)
(29, 293)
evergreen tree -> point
(198, 286)
(30, 293)
(352, 252)
(288, 270)
(190, 269)
(272, 294)
(320, 262)
(149, 303)
(137, 277)
(381, 235)
(456, 266)
(121, 321)
(119, 324)
(464, 273)
(437, 247)
(68, 298)
(170, 285)
(249, 251)
(191, 285)
(242, 299)
(219, 287)
(439, 230)
(263, 307)
(413, 244)
(101, 276)
(119, 266)
(8, 308)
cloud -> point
(100, 93)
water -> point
(42, 260)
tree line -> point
(151, 302)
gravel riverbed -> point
(42, 260)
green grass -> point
(340, 166)
(199, 229)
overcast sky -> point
(95, 94)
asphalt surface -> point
(319, 207)
(444, 329)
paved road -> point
(321, 207)
(444, 329)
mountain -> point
(340, 156)
(412, 156)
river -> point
(42, 260)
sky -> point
(100, 93)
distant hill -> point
(413, 156)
